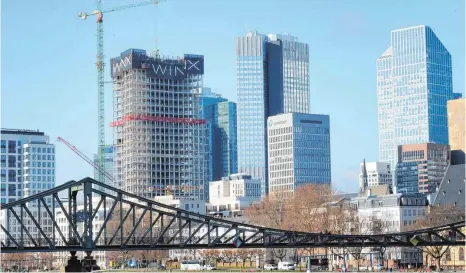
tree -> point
(258, 252)
(243, 254)
(304, 210)
(438, 215)
(209, 255)
(229, 255)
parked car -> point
(270, 267)
(286, 266)
(209, 267)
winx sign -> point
(172, 69)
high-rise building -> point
(223, 156)
(421, 167)
(457, 96)
(272, 78)
(456, 130)
(209, 102)
(161, 141)
(27, 168)
(108, 167)
(228, 138)
(298, 151)
(374, 174)
(414, 83)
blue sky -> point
(49, 77)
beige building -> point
(456, 129)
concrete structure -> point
(456, 129)
(374, 174)
(414, 83)
(109, 156)
(272, 78)
(160, 137)
(391, 213)
(421, 167)
(298, 151)
(27, 168)
(231, 195)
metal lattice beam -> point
(135, 223)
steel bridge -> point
(110, 219)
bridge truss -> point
(110, 219)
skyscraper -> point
(226, 111)
(272, 78)
(209, 103)
(299, 151)
(160, 136)
(414, 82)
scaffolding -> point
(161, 142)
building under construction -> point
(161, 143)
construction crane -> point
(100, 65)
(88, 160)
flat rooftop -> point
(5, 131)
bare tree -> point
(439, 215)
(229, 255)
(259, 252)
(243, 254)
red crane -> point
(88, 160)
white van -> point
(286, 266)
(191, 265)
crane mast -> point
(100, 65)
(100, 88)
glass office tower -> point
(414, 82)
(272, 78)
(228, 138)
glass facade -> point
(298, 151)
(228, 138)
(223, 157)
(272, 78)
(432, 161)
(414, 82)
(407, 177)
(209, 102)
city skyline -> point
(72, 99)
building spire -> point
(364, 177)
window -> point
(11, 146)
(461, 253)
(448, 255)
